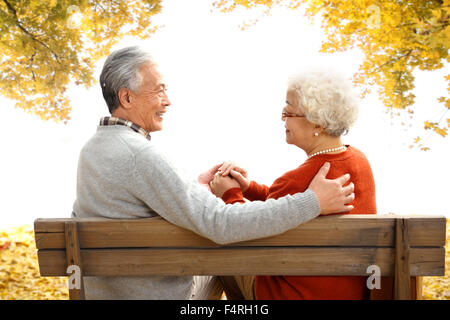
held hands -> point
(331, 194)
(206, 177)
(218, 180)
(239, 174)
(220, 184)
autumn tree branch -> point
(391, 61)
(21, 27)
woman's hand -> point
(219, 185)
(238, 173)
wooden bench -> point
(401, 246)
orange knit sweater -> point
(351, 161)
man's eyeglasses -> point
(285, 115)
(161, 90)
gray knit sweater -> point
(123, 175)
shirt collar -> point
(112, 121)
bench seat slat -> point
(337, 230)
(241, 261)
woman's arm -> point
(256, 192)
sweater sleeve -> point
(187, 204)
(233, 195)
(256, 191)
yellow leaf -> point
(428, 125)
(441, 132)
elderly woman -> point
(320, 108)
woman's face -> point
(299, 131)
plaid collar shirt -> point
(113, 121)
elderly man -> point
(122, 174)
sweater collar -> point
(113, 121)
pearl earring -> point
(316, 134)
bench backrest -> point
(401, 246)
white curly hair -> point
(327, 99)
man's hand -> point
(206, 177)
(219, 185)
(331, 194)
(238, 173)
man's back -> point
(105, 181)
(105, 188)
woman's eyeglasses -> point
(285, 115)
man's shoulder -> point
(117, 137)
(124, 149)
(116, 145)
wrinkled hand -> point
(331, 194)
(238, 173)
(206, 177)
(219, 185)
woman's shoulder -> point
(311, 166)
(350, 154)
(359, 158)
(356, 152)
(293, 181)
(302, 170)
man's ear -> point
(124, 98)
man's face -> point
(150, 100)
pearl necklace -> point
(327, 150)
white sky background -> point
(227, 89)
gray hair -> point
(121, 70)
(327, 99)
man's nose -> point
(166, 100)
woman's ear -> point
(317, 130)
(124, 98)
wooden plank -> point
(337, 230)
(58, 224)
(427, 231)
(73, 259)
(419, 288)
(242, 261)
(402, 269)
